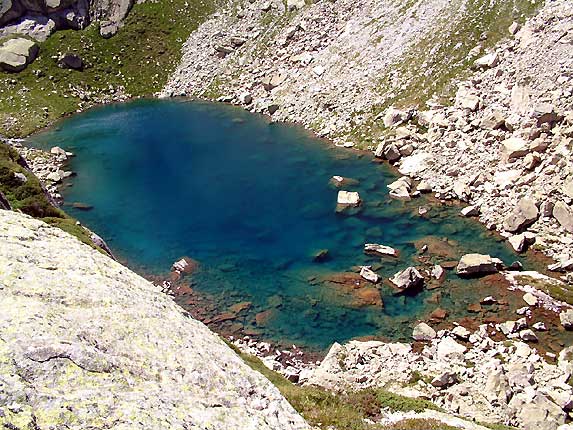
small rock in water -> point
(382, 250)
(369, 275)
(185, 265)
(477, 264)
(489, 300)
(407, 279)
(438, 272)
(348, 198)
(469, 211)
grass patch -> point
(138, 60)
(556, 289)
(416, 424)
(343, 411)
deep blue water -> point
(251, 201)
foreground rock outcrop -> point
(86, 343)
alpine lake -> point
(254, 204)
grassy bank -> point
(29, 197)
(137, 61)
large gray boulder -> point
(523, 215)
(86, 343)
(16, 54)
(564, 215)
(477, 264)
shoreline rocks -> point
(488, 381)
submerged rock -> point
(321, 255)
(367, 273)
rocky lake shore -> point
(501, 143)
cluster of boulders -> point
(25, 22)
(48, 167)
(291, 362)
(505, 146)
(464, 372)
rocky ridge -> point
(86, 343)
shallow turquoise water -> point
(251, 201)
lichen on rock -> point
(86, 343)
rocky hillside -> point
(334, 66)
(88, 344)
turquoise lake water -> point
(251, 202)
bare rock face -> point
(86, 343)
(564, 215)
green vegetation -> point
(556, 289)
(344, 411)
(30, 198)
(497, 426)
(137, 61)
